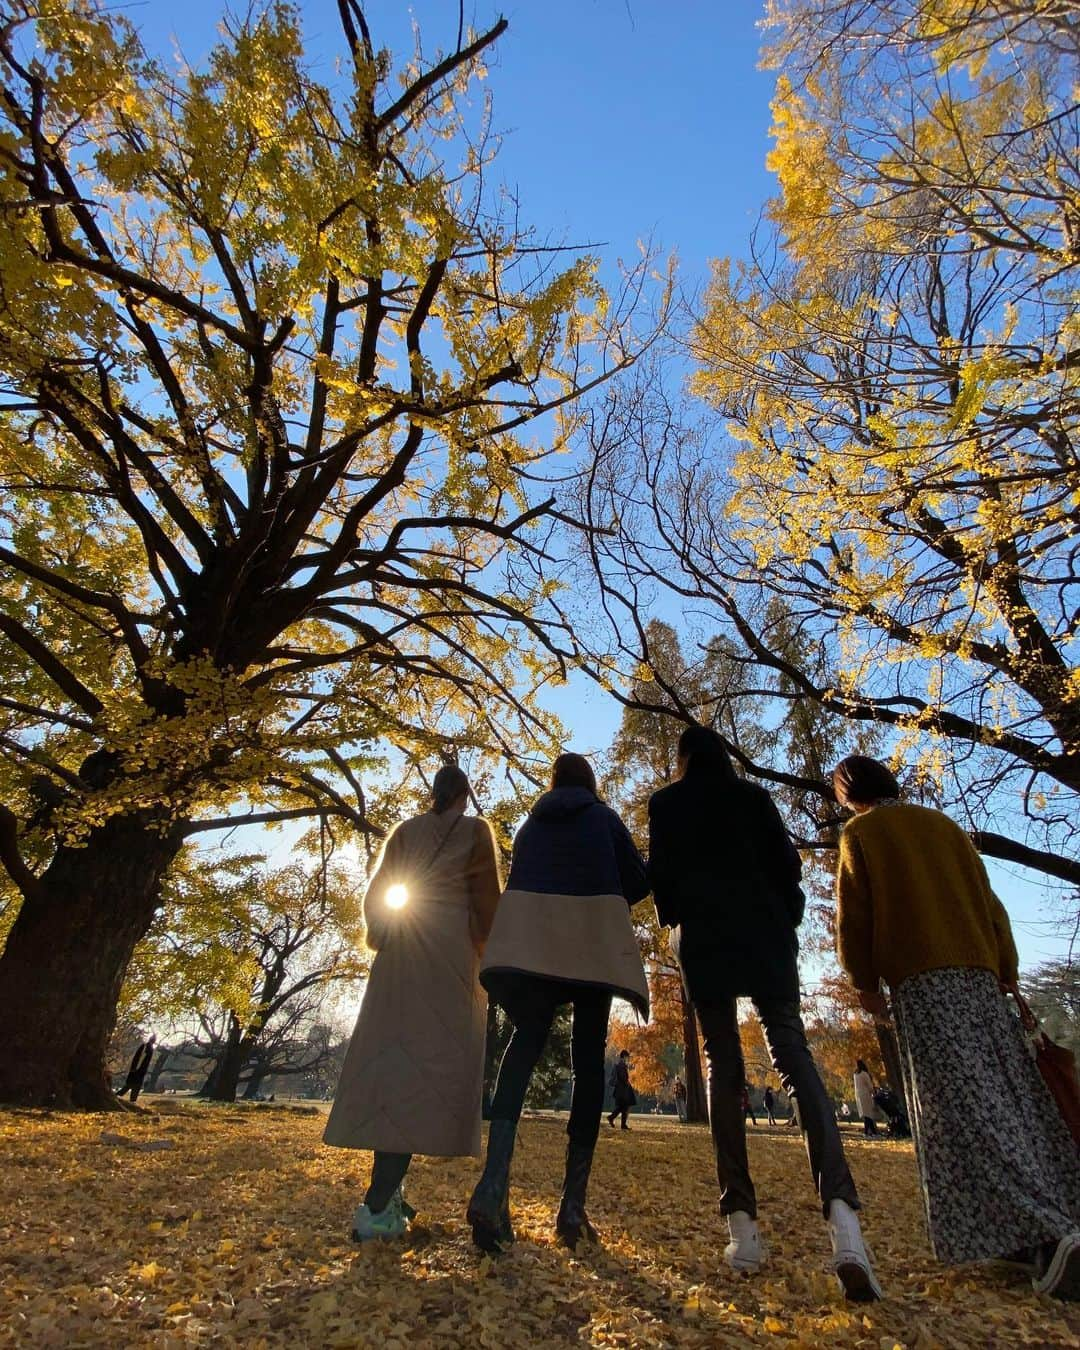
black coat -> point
(725, 875)
(620, 1082)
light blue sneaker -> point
(393, 1222)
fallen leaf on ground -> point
(103, 1247)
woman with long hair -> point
(999, 1168)
(562, 935)
(864, 1097)
(725, 877)
(413, 1073)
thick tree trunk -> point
(224, 1078)
(890, 1057)
(65, 959)
(697, 1107)
(228, 1079)
(255, 1082)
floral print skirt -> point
(999, 1169)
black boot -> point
(573, 1223)
(489, 1208)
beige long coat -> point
(413, 1074)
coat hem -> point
(403, 1146)
(631, 996)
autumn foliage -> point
(234, 1232)
(270, 352)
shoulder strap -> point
(1028, 1019)
(442, 842)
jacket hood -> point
(562, 802)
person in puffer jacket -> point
(562, 934)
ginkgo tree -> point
(902, 380)
(247, 955)
(270, 350)
(882, 515)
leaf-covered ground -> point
(232, 1230)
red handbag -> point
(1057, 1065)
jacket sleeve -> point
(484, 884)
(661, 868)
(633, 877)
(376, 915)
(855, 916)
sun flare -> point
(397, 896)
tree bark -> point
(224, 1078)
(697, 1107)
(65, 959)
(890, 1057)
(255, 1082)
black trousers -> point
(133, 1084)
(387, 1174)
(786, 1039)
(622, 1108)
(531, 1002)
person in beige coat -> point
(413, 1073)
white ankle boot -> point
(851, 1261)
(744, 1251)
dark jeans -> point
(531, 1002)
(387, 1174)
(786, 1039)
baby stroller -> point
(891, 1107)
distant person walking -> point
(562, 935)
(770, 1105)
(678, 1091)
(725, 876)
(625, 1096)
(864, 1097)
(138, 1069)
(747, 1106)
(413, 1072)
(999, 1169)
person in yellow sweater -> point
(1000, 1172)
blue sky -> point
(622, 120)
(623, 117)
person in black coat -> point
(625, 1096)
(138, 1069)
(725, 877)
(562, 934)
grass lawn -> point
(236, 1234)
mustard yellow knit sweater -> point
(912, 895)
